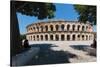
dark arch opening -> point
(34, 37)
(46, 37)
(37, 37)
(46, 27)
(73, 27)
(41, 37)
(68, 27)
(62, 27)
(51, 37)
(57, 37)
(83, 28)
(41, 28)
(57, 27)
(73, 37)
(82, 37)
(86, 37)
(62, 37)
(68, 37)
(78, 36)
(51, 27)
(78, 27)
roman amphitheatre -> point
(60, 30)
(62, 36)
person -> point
(26, 44)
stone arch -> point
(68, 27)
(86, 37)
(41, 37)
(51, 37)
(82, 37)
(78, 36)
(62, 27)
(83, 28)
(68, 37)
(41, 28)
(33, 37)
(46, 28)
(57, 37)
(33, 28)
(57, 27)
(78, 27)
(62, 37)
(37, 29)
(46, 37)
(51, 27)
(73, 27)
(73, 37)
(37, 37)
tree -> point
(37, 9)
(86, 13)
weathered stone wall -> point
(59, 31)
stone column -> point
(59, 28)
(65, 37)
(59, 37)
(54, 28)
(48, 27)
(48, 37)
(84, 37)
(70, 28)
(70, 37)
(54, 37)
(80, 28)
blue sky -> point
(63, 11)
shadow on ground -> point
(49, 56)
(90, 51)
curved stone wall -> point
(59, 31)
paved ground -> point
(54, 52)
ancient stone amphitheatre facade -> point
(59, 30)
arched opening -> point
(86, 27)
(68, 37)
(78, 36)
(62, 27)
(46, 37)
(46, 28)
(68, 27)
(41, 28)
(86, 37)
(82, 37)
(83, 28)
(33, 28)
(33, 37)
(38, 29)
(51, 27)
(73, 37)
(37, 37)
(62, 37)
(57, 27)
(41, 37)
(57, 37)
(78, 28)
(73, 27)
(51, 37)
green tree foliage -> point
(37, 9)
(86, 13)
(22, 36)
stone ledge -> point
(25, 57)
